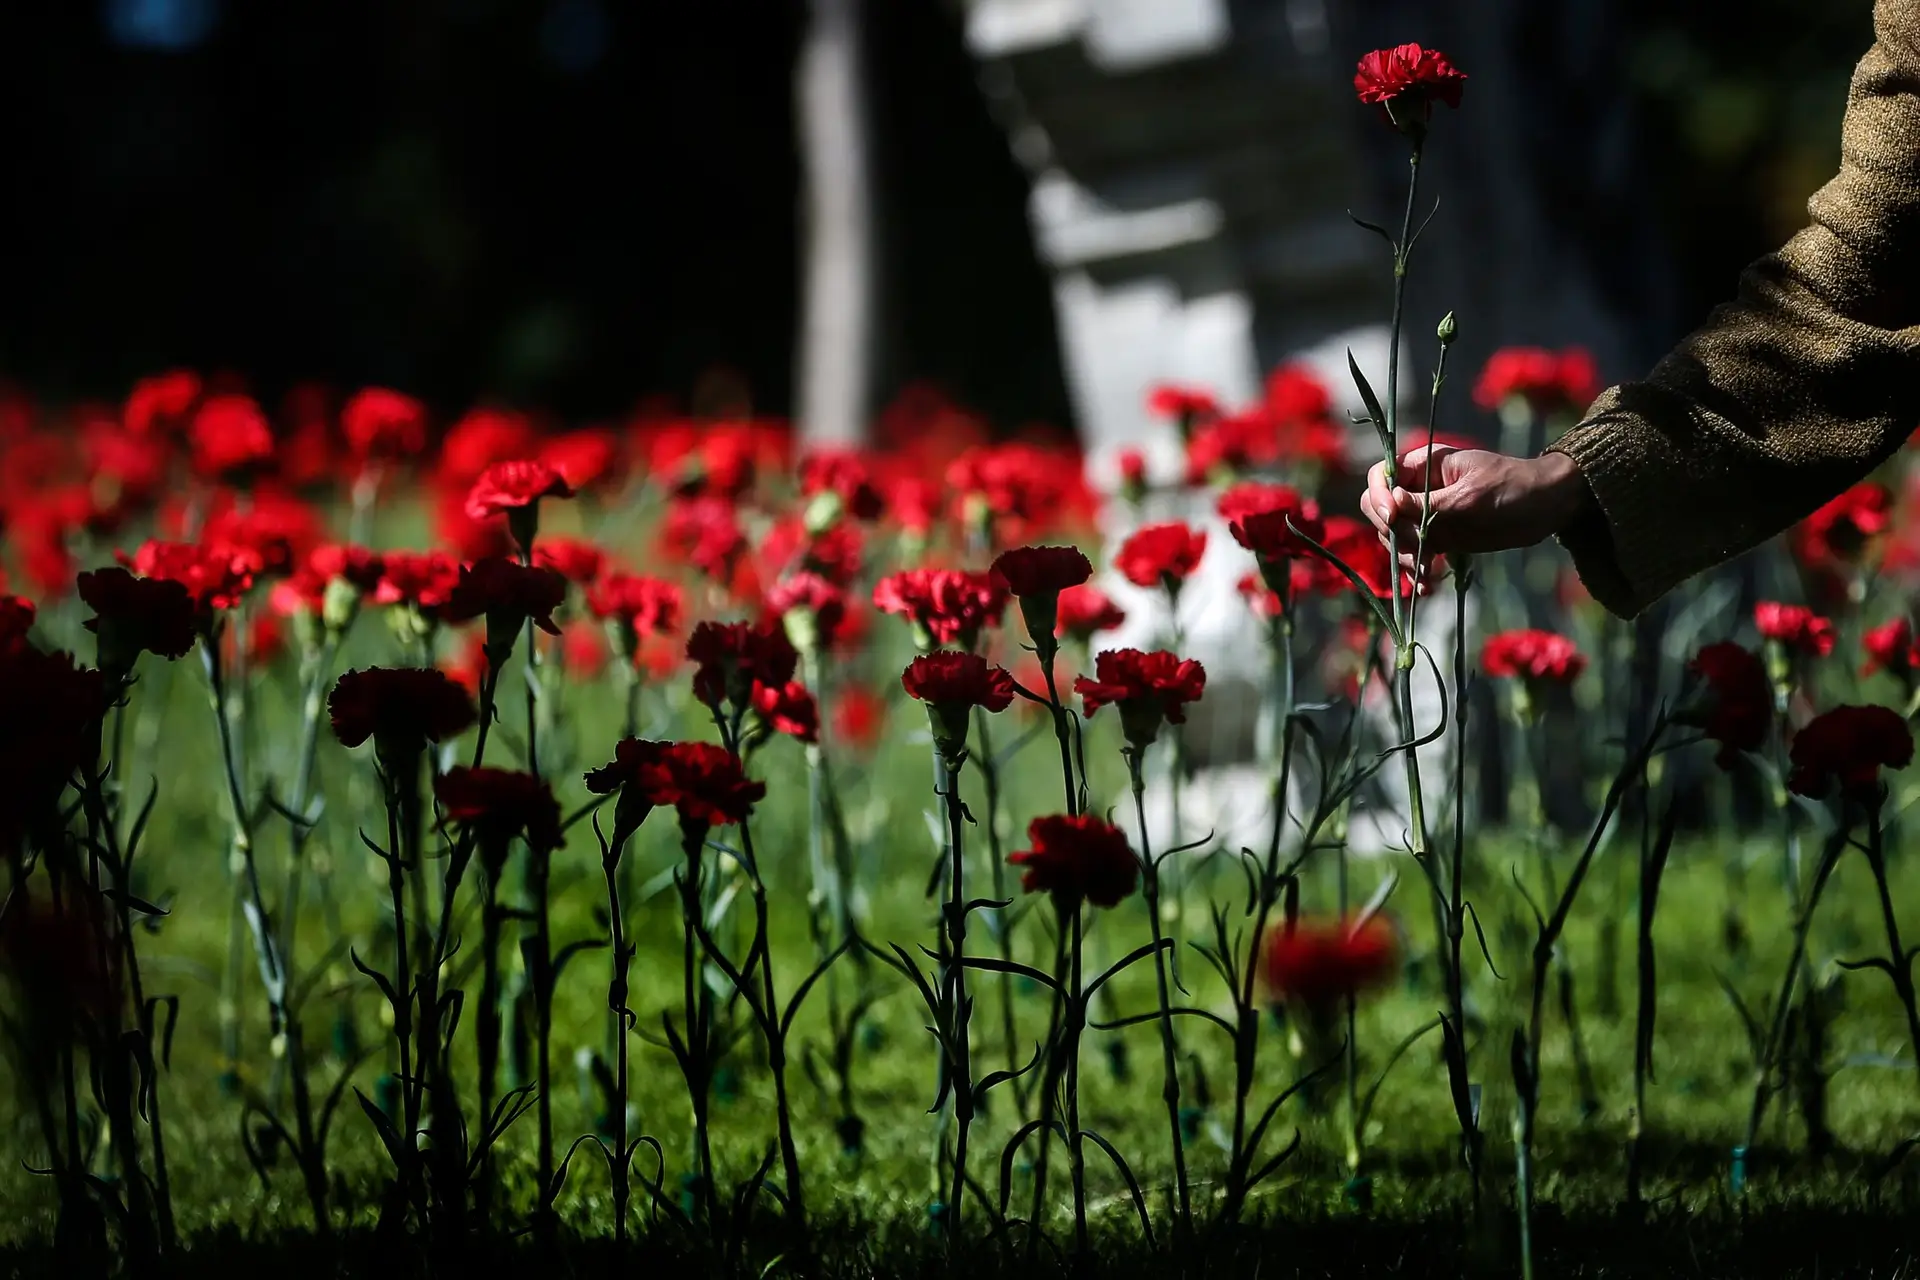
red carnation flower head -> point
(161, 404)
(401, 708)
(1795, 628)
(1846, 748)
(952, 685)
(1084, 611)
(270, 535)
(1890, 647)
(1535, 382)
(1263, 519)
(1733, 703)
(1536, 657)
(383, 424)
(496, 806)
(574, 559)
(1077, 859)
(327, 590)
(514, 489)
(1149, 688)
(50, 711)
(705, 784)
(421, 583)
(859, 716)
(480, 439)
(944, 606)
(1036, 576)
(1133, 475)
(1230, 446)
(508, 595)
(583, 458)
(732, 657)
(215, 580)
(634, 606)
(1321, 963)
(1161, 555)
(811, 609)
(231, 439)
(838, 480)
(788, 709)
(133, 616)
(1846, 532)
(1185, 407)
(1405, 81)
(705, 533)
(635, 774)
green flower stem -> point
(1070, 1047)
(955, 983)
(1062, 731)
(1169, 1051)
(617, 1004)
(1899, 963)
(996, 863)
(1455, 975)
(697, 1010)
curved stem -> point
(955, 981)
(1169, 1053)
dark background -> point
(574, 203)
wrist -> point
(1564, 489)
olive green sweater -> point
(1803, 384)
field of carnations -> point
(441, 843)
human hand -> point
(1478, 500)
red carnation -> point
(1322, 963)
(635, 773)
(859, 716)
(704, 783)
(1077, 859)
(1147, 687)
(269, 536)
(732, 657)
(1161, 555)
(952, 684)
(634, 606)
(1133, 475)
(1534, 656)
(1794, 627)
(845, 474)
(1546, 382)
(812, 609)
(495, 806)
(574, 559)
(230, 437)
(379, 423)
(161, 403)
(214, 580)
(1406, 81)
(480, 439)
(1186, 406)
(1085, 610)
(1262, 518)
(50, 712)
(422, 579)
(582, 457)
(1735, 706)
(1041, 571)
(705, 533)
(1847, 747)
(400, 708)
(944, 605)
(788, 709)
(1890, 647)
(1844, 530)
(136, 615)
(358, 566)
(514, 489)
(507, 594)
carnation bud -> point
(1447, 329)
(803, 628)
(308, 632)
(823, 512)
(339, 605)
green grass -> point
(1723, 918)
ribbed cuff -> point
(1628, 554)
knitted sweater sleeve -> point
(1803, 384)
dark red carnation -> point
(1077, 859)
(703, 782)
(1323, 963)
(1534, 656)
(1406, 81)
(1161, 555)
(1041, 571)
(634, 774)
(136, 615)
(788, 709)
(846, 474)
(514, 486)
(17, 614)
(1147, 687)
(400, 708)
(640, 606)
(423, 579)
(50, 712)
(733, 657)
(214, 579)
(507, 594)
(963, 680)
(1735, 706)
(1794, 627)
(1845, 531)
(497, 805)
(1847, 747)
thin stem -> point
(1076, 1020)
(955, 982)
(996, 865)
(1169, 1053)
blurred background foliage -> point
(573, 203)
